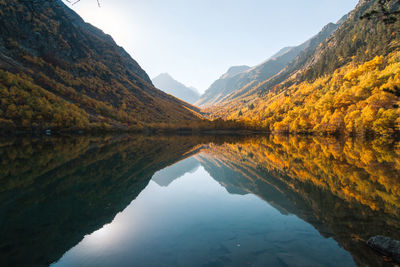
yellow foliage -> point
(353, 100)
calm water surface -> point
(196, 201)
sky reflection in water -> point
(194, 221)
(223, 200)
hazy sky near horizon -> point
(197, 41)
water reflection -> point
(346, 189)
(227, 201)
(166, 176)
(56, 190)
(196, 222)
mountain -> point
(280, 65)
(170, 86)
(236, 84)
(221, 87)
(348, 84)
(58, 71)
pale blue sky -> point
(197, 41)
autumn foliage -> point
(355, 99)
(56, 71)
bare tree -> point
(72, 2)
(77, 1)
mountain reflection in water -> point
(213, 201)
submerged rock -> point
(386, 246)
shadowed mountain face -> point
(63, 72)
(54, 191)
(170, 86)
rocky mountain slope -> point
(222, 87)
(58, 71)
(234, 85)
(171, 86)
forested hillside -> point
(56, 71)
(349, 84)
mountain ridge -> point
(217, 88)
(166, 83)
(247, 80)
(59, 72)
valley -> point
(63, 74)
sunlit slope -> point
(354, 99)
(350, 84)
(58, 71)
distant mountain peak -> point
(163, 75)
(232, 71)
(240, 80)
(169, 85)
(237, 69)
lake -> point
(135, 200)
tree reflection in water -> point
(54, 191)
